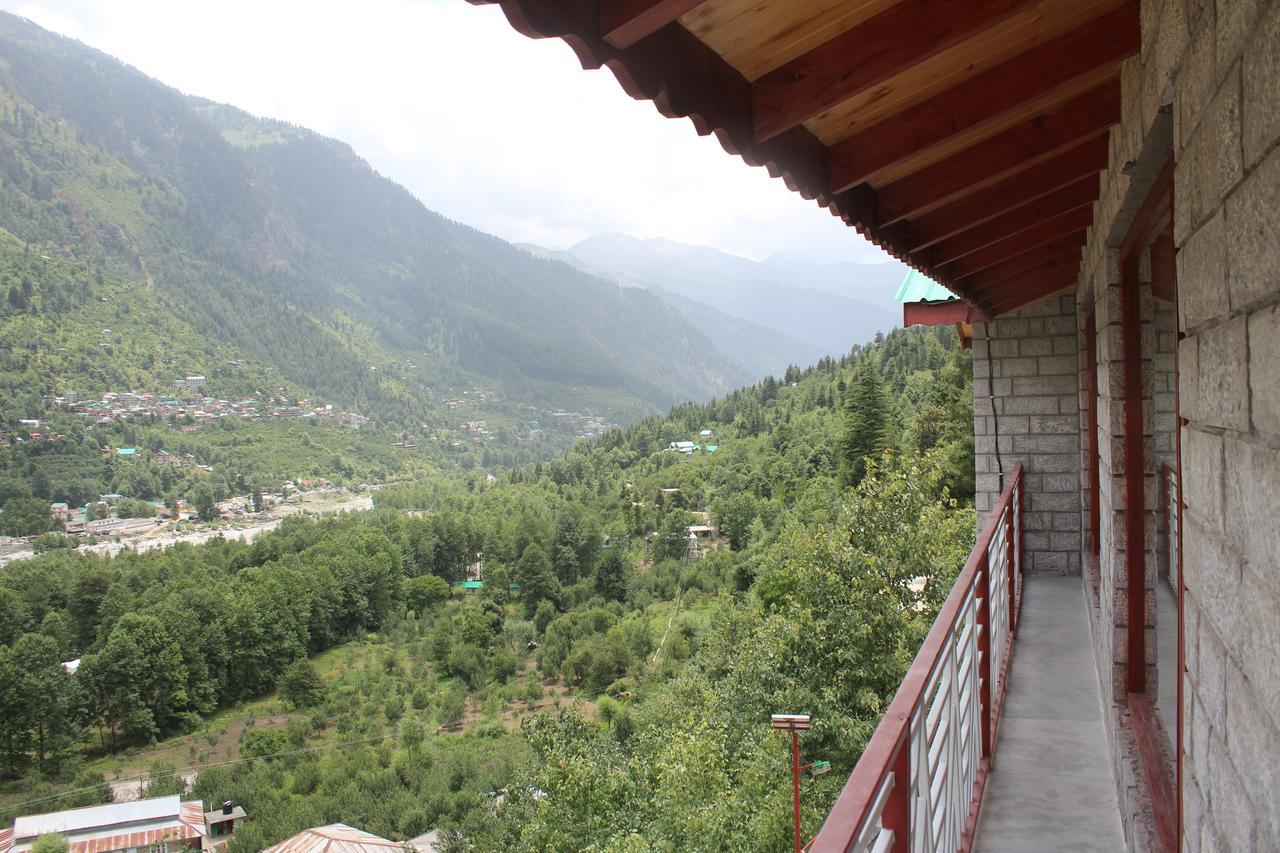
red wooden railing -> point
(918, 785)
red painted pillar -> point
(897, 808)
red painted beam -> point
(1064, 248)
(870, 53)
(1075, 196)
(941, 313)
(1025, 294)
(1072, 222)
(1086, 159)
(625, 22)
(1087, 115)
(1057, 66)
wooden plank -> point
(1152, 744)
(982, 101)
(1032, 26)
(1047, 262)
(1087, 115)
(870, 53)
(756, 37)
(1025, 295)
(1081, 194)
(1046, 231)
(1072, 165)
(625, 22)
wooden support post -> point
(897, 808)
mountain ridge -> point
(826, 306)
(287, 250)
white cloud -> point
(504, 133)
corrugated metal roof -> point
(130, 840)
(335, 838)
(73, 820)
(917, 287)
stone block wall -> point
(1206, 88)
(1227, 223)
(1032, 358)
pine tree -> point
(866, 431)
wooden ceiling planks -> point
(988, 102)
(1035, 140)
(1027, 30)
(1041, 232)
(966, 140)
(871, 53)
(1007, 226)
(758, 36)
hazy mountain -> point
(829, 307)
(285, 257)
(760, 350)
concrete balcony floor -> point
(1051, 786)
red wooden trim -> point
(1163, 272)
(1181, 587)
(941, 313)
(1154, 768)
(889, 748)
(986, 204)
(886, 44)
(1021, 293)
(1154, 215)
(625, 22)
(1042, 233)
(1057, 66)
(1052, 260)
(1015, 150)
(1058, 203)
(1134, 475)
(1091, 389)
(897, 811)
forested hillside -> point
(610, 686)
(145, 234)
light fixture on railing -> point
(796, 723)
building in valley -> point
(159, 823)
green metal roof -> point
(920, 288)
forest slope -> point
(271, 255)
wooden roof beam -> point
(1087, 115)
(625, 22)
(1086, 159)
(1054, 68)
(1044, 264)
(1047, 231)
(876, 50)
(1077, 196)
(1022, 293)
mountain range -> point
(147, 234)
(762, 314)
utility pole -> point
(796, 723)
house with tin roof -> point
(151, 824)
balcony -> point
(995, 739)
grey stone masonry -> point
(1033, 418)
(1216, 63)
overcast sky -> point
(501, 132)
